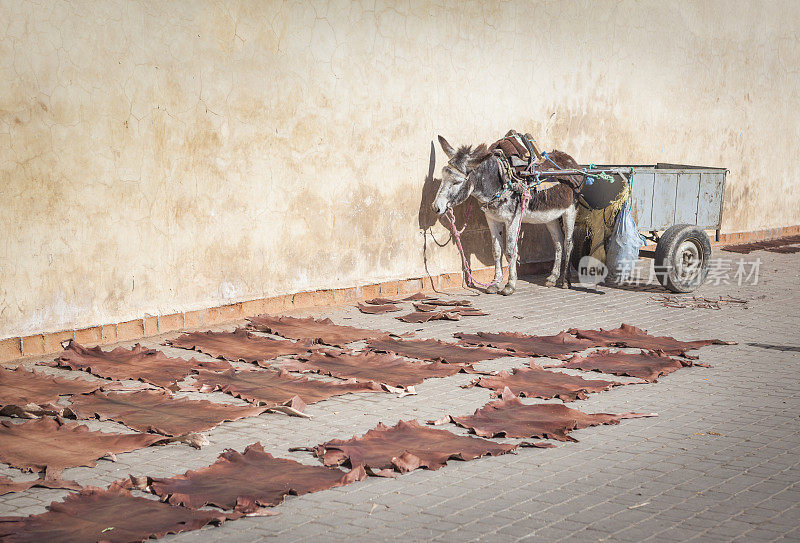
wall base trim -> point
(43, 344)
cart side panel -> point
(665, 190)
(709, 203)
(686, 198)
(642, 199)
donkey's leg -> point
(568, 220)
(558, 242)
(512, 251)
(496, 229)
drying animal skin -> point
(630, 336)
(419, 317)
(313, 330)
(110, 515)
(378, 309)
(450, 303)
(779, 245)
(238, 345)
(367, 366)
(404, 447)
(381, 301)
(461, 310)
(509, 417)
(7, 486)
(138, 363)
(524, 345)
(50, 445)
(646, 365)
(432, 349)
(24, 393)
(249, 481)
(274, 389)
(159, 412)
(535, 382)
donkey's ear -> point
(446, 147)
(477, 156)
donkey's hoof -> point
(492, 289)
(565, 284)
(550, 282)
(507, 290)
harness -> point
(521, 174)
(521, 167)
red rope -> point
(471, 281)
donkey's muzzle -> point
(439, 210)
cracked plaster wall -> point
(165, 156)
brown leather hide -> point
(272, 388)
(646, 365)
(418, 317)
(630, 336)
(524, 345)
(535, 382)
(432, 349)
(313, 330)
(461, 310)
(378, 309)
(773, 245)
(159, 412)
(368, 366)
(20, 387)
(381, 301)
(238, 345)
(509, 417)
(7, 486)
(449, 303)
(111, 515)
(248, 481)
(138, 363)
(405, 447)
(47, 444)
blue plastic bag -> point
(622, 252)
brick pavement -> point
(720, 463)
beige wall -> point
(166, 156)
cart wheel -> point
(682, 258)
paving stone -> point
(696, 485)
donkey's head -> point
(457, 184)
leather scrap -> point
(449, 303)
(461, 310)
(378, 309)
(381, 301)
(7, 486)
(238, 346)
(276, 389)
(419, 317)
(535, 382)
(779, 245)
(246, 482)
(433, 349)
(418, 296)
(106, 515)
(368, 366)
(138, 363)
(159, 412)
(509, 417)
(313, 330)
(26, 393)
(555, 346)
(649, 365)
(405, 447)
(50, 445)
(630, 336)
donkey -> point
(477, 173)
